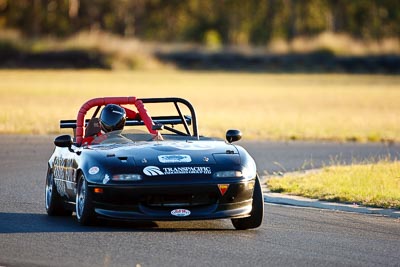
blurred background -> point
(276, 69)
(359, 36)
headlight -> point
(127, 177)
(249, 173)
(227, 174)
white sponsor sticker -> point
(155, 171)
(174, 158)
(152, 171)
(180, 212)
(187, 170)
(94, 170)
(106, 179)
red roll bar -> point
(80, 120)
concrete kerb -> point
(282, 199)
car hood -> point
(169, 152)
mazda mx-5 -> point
(122, 163)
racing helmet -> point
(112, 118)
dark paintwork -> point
(142, 199)
(176, 173)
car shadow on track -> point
(41, 223)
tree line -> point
(255, 22)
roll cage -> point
(139, 118)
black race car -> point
(155, 168)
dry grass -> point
(263, 106)
(375, 185)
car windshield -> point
(122, 137)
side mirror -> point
(63, 141)
(233, 135)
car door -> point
(64, 172)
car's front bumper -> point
(157, 202)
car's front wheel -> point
(257, 212)
(53, 201)
(84, 207)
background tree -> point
(231, 21)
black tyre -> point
(257, 211)
(84, 208)
(53, 201)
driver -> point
(112, 118)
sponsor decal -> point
(152, 171)
(63, 169)
(106, 179)
(223, 188)
(94, 170)
(174, 158)
(61, 189)
(187, 170)
(155, 171)
(180, 212)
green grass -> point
(376, 185)
(264, 106)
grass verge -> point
(375, 185)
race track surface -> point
(289, 236)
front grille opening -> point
(181, 200)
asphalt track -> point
(289, 236)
